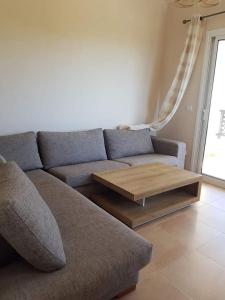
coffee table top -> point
(136, 183)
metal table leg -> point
(142, 202)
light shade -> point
(203, 3)
(209, 3)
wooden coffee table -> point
(137, 195)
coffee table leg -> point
(142, 202)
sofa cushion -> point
(149, 159)
(26, 222)
(80, 174)
(67, 148)
(21, 148)
(103, 255)
(122, 143)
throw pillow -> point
(26, 221)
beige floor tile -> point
(189, 231)
(195, 275)
(217, 292)
(213, 196)
(188, 252)
(166, 248)
(215, 249)
(219, 203)
(209, 215)
(213, 217)
(156, 288)
(210, 192)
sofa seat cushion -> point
(68, 148)
(149, 159)
(103, 255)
(80, 174)
(21, 148)
(121, 143)
(26, 222)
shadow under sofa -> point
(103, 255)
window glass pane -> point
(214, 157)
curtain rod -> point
(207, 16)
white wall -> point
(75, 64)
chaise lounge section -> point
(103, 255)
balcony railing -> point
(222, 125)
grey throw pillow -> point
(26, 221)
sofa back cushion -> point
(123, 143)
(68, 148)
(26, 221)
(21, 148)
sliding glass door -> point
(213, 162)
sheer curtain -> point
(181, 79)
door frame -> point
(204, 102)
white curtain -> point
(181, 79)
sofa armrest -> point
(170, 147)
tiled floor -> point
(189, 253)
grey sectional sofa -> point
(103, 255)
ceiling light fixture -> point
(202, 3)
